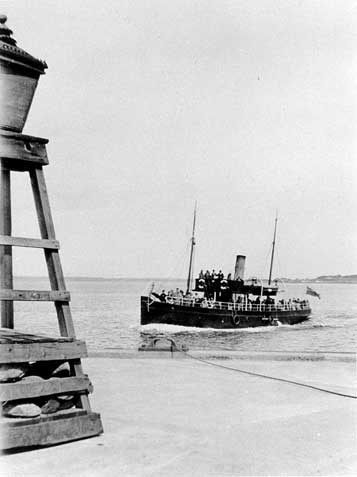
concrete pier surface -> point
(182, 417)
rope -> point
(265, 376)
(176, 267)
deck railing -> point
(245, 306)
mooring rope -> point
(265, 376)
(174, 347)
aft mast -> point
(273, 250)
(193, 243)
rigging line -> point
(176, 269)
(181, 264)
(279, 268)
(266, 261)
(178, 264)
(251, 373)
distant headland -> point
(323, 279)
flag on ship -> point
(310, 291)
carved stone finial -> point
(10, 51)
(19, 75)
(5, 32)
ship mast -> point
(273, 249)
(193, 243)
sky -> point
(246, 107)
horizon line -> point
(94, 277)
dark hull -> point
(172, 314)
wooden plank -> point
(20, 147)
(24, 137)
(23, 389)
(28, 242)
(25, 352)
(6, 274)
(52, 431)
(34, 295)
(12, 336)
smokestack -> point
(239, 269)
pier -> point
(165, 416)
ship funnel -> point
(239, 268)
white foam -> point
(166, 328)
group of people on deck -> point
(215, 285)
(213, 276)
(217, 289)
(178, 295)
(171, 294)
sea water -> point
(106, 314)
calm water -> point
(106, 315)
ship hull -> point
(173, 314)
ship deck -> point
(233, 306)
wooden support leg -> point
(54, 266)
(52, 259)
(76, 370)
(6, 276)
(26, 153)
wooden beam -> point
(6, 275)
(54, 266)
(28, 242)
(59, 427)
(53, 262)
(12, 336)
(19, 147)
(47, 387)
(54, 351)
(34, 295)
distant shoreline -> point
(323, 279)
(333, 279)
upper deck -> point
(253, 286)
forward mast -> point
(192, 252)
(273, 250)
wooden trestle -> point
(19, 152)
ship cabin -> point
(216, 287)
(233, 290)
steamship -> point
(223, 303)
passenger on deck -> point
(220, 275)
(207, 275)
(204, 303)
(201, 275)
(229, 276)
